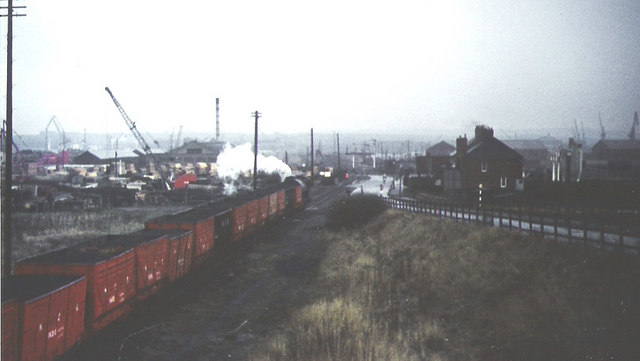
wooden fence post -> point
(568, 220)
(510, 217)
(555, 226)
(520, 218)
(621, 235)
(584, 225)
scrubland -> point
(414, 287)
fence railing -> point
(576, 228)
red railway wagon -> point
(9, 327)
(273, 204)
(110, 272)
(276, 201)
(252, 205)
(179, 253)
(150, 249)
(263, 208)
(223, 213)
(198, 220)
(238, 215)
(281, 201)
(51, 314)
(295, 191)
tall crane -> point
(603, 134)
(147, 150)
(634, 126)
(178, 138)
(55, 122)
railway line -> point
(132, 267)
(219, 288)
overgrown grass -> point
(413, 287)
(354, 212)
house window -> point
(503, 182)
(484, 166)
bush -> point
(354, 212)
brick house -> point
(435, 159)
(484, 162)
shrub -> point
(354, 212)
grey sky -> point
(388, 67)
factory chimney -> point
(217, 119)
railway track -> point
(118, 340)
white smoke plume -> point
(235, 162)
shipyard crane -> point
(55, 122)
(178, 138)
(634, 126)
(145, 147)
(576, 132)
(603, 134)
(4, 127)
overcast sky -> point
(385, 67)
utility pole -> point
(338, 141)
(8, 144)
(311, 155)
(257, 115)
(217, 119)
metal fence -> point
(584, 228)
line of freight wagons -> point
(57, 299)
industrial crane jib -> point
(147, 150)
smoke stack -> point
(217, 119)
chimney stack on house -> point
(483, 132)
(461, 146)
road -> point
(375, 184)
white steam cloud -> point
(235, 162)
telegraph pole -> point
(311, 155)
(338, 140)
(8, 152)
(257, 115)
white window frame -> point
(484, 166)
(503, 182)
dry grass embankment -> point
(412, 287)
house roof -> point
(486, 147)
(492, 149)
(442, 149)
(87, 158)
